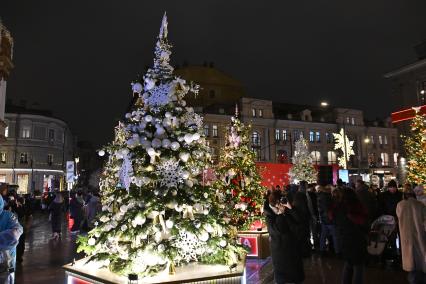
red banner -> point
(406, 114)
(251, 243)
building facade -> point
(36, 149)
(6, 55)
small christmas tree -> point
(302, 168)
(156, 213)
(415, 146)
(239, 179)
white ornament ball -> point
(149, 83)
(150, 151)
(185, 174)
(140, 220)
(123, 228)
(123, 208)
(184, 156)
(148, 118)
(206, 212)
(189, 183)
(196, 136)
(166, 143)
(137, 88)
(156, 143)
(160, 248)
(101, 153)
(222, 243)
(142, 125)
(169, 224)
(204, 236)
(168, 114)
(174, 146)
(91, 242)
(188, 138)
(178, 208)
(174, 192)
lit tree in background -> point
(156, 213)
(343, 143)
(239, 179)
(415, 146)
(302, 168)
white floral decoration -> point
(171, 173)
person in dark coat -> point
(367, 199)
(56, 208)
(299, 201)
(328, 228)
(24, 213)
(283, 226)
(76, 211)
(350, 217)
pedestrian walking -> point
(56, 208)
(412, 219)
(76, 211)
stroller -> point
(381, 230)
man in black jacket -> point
(284, 227)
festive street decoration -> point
(156, 211)
(303, 169)
(239, 179)
(415, 146)
(343, 143)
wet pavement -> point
(43, 260)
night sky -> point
(78, 58)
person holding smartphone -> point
(285, 239)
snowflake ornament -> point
(159, 96)
(171, 173)
(190, 247)
(192, 118)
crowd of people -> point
(337, 220)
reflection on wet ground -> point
(44, 258)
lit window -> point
(260, 112)
(253, 112)
(353, 120)
(255, 139)
(214, 130)
(380, 139)
(311, 136)
(277, 134)
(331, 157)
(316, 157)
(385, 139)
(317, 136)
(6, 131)
(348, 119)
(395, 159)
(385, 158)
(3, 157)
(372, 139)
(26, 130)
(23, 158)
(49, 159)
(284, 135)
(206, 130)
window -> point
(206, 130)
(353, 120)
(212, 94)
(2, 178)
(395, 159)
(253, 112)
(311, 136)
(51, 134)
(214, 130)
(331, 157)
(301, 134)
(255, 139)
(317, 136)
(385, 158)
(3, 158)
(23, 182)
(372, 139)
(277, 135)
(380, 139)
(385, 139)
(329, 137)
(23, 158)
(256, 151)
(6, 131)
(295, 135)
(260, 113)
(348, 119)
(26, 130)
(284, 135)
(49, 159)
(316, 157)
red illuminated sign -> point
(74, 280)
(406, 114)
(250, 242)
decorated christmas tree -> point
(239, 179)
(415, 146)
(302, 168)
(156, 212)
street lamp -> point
(324, 104)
